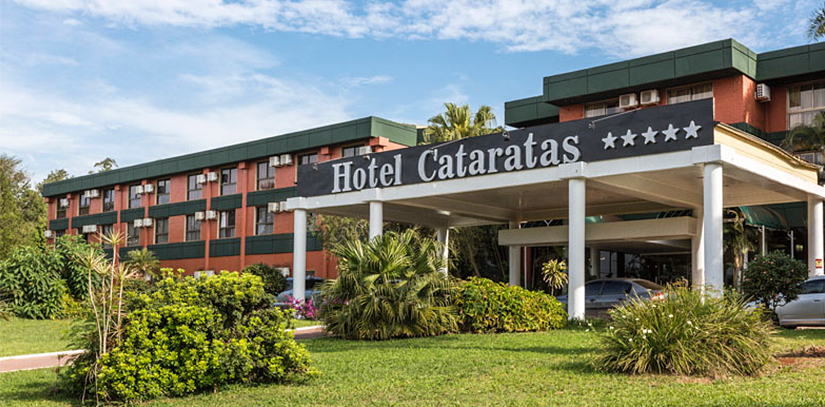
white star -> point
(650, 135)
(609, 141)
(691, 130)
(628, 138)
(670, 133)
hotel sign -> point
(639, 132)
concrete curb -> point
(55, 359)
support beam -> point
(697, 248)
(376, 219)
(576, 269)
(595, 261)
(712, 214)
(299, 254)
(515, 260)
(443, 237)
(815, 238)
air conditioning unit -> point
(147, 222)
(286, 159)
(282, 205)
(48, 234)
(92, 193)
(148, 188)
(200, 215)
(273, 207)
(201, 179)
(64, 202)
(275, 161)
(628, 101)
(364, 150)
(89, 228)
(649, 97)
(763, 92)
(138, 223)
(212, 176)
(139, 190)
(284, 271)
(211, 215)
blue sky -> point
(81, 80)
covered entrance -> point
(657, 160)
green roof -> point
(367, 127)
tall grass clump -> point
(687, 334)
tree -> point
(22, 209)
(554, 273)
(816, 24)
(144, 262)
(107, 164)
(738, 241)
(458, 123)
(54, 176)
(807, 137)
(774, 279)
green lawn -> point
(25, 336)
(529, 369)
(299, 323)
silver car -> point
(808, 309)
(603, 294)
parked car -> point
(808, 309)
(311, 291)
(603, 294)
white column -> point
(515, 260)
(697, 248)
(376, 219)
(595, 261)
(299, 254)
(576, 266)
(815, 242)
(443, 236)
(714, 249)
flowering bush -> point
(685, 334)
(303, 308)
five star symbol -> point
(629, 139)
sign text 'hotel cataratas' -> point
(640, 132)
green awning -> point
(763, 216)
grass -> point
(530, 369)
(25, 336)
(300, 323)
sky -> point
(140, 80)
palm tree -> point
(816, 24)
(739, 241)
(807, 137)
(458, 123)
(390, 287)
(144, 262)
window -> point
(602, 108)
(804, 102)
(310, 158)
(134, 197)
(106, 230)
(593, 288)
(815, 157)
(193, 228)
(161, 230)
(350, 151)
(163, 191)
(263, 221)
(266, 176)
(132, 234)
(85, 201)
(226, 224)
(616, 287)
(61, 210)
(688, 93)
(59, 233)
(229, 177)
(108, 200)
(814, 287)
(193, 189)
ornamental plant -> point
(487, 306)
(274, 280)
(390, 287)
(302, 309)
(686, 333)
(774, 279)
(30, 277)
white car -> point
(808, 309)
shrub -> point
(69, 249)
(274, 281)
(30, 275)
(144, 262)
(774, 279)
(685, 334)
(189, 335)
(389, 288)
(302, 308)
(487, 306)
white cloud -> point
(622, 28)
(359, 81)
